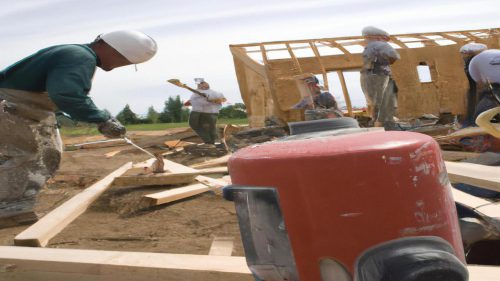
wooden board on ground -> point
(177, 143)
(221, 246)
(48, 264)
(206, 184)
(474, 174)
(165, 178)
(175, 194)
(112, 153)
(39, 234)
(213, 163)
(171, 195)
(97, 144)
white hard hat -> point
(472, 48)
(199, 80)
(373, 31)
(135, 46)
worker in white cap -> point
(206, 104)
(57, 77)
(468, 51)
(376, 82)
(484, 69)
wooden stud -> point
(323, 70)
(294, 58)
(39, 234)
(345, 92)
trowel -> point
(158, 165)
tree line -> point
(174, 112)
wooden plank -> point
(175, 194)
(39, 234)
(345, 92)
(474, 174)
(248, 61)
(171, 195)
(48, 264)
(212, 163)
(165, 178)
(468, 200)
(97, 144)
(483, 273)
(458, 155)
(221, 246)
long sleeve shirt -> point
(65, 72)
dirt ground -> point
(114, 221)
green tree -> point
(238, 110)
(152, 116)
(173, 111)
(127, 116)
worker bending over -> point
(376, 82)
(205, 111)
(468, 52)
(54, 78)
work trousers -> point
(30, 149)
(381, 97)
(205, 125)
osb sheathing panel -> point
(255, 94)
(446, 92)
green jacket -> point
(65, 72)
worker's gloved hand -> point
(112, 128)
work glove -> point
(112, 128)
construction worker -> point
(484, 69)
(376, 82)
(57, 77)
(205, 111)
(469, 51)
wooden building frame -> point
(266, 71)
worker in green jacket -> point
(54, 78)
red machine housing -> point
(341, 195)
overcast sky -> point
(193, 36)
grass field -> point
(92, 129)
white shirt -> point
(485, 67)
(201, 104)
